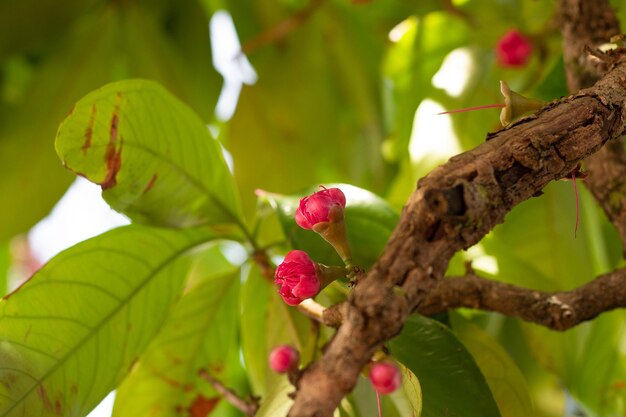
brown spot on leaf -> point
(202, 406)
(113, 158)
(89, 130)
(58, 410)
(8, 379)
(113, 154)
(169, 381)
(150, 183)
(74, 389)
(30, 328)
(41, 392)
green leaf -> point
(452, 383)
(369, 222)
(5, 262)
(69, 49)
(70, 333)
(505, 380)
(198, 335)
(154, 158)
(408, 399)
(277, 403)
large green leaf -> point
(369, 222)
(199, 335)
(408, 398)
(505, 380)
(452, 383)
(68, 49)
(69, 334)
(277, 403)
(154, 158)
(5, 260)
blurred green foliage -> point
(338, 86)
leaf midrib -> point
(123, 303)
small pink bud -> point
(385, 377)
(513, 49)
(284, 358)
(297, 278)
(316, 208)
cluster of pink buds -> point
(298, 277)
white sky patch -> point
(481, 261)
(455, 72)
(432, 135)
(234, 252)
(105, 408)
(230, 62)
(79, 215)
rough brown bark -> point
(554, 310)
(458, 203)
(452, 209)
(587, 24)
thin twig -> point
(248, 407)
(312, 309)
(280, 30)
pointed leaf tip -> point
(127, 134)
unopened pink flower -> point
(284, 358)
(385, 377)
(317, 207)
(513, 49)
(297, 278)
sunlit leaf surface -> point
(69, 335)
(198, 336)
(154, 158)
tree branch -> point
(452, 209)
(587, 24)
(281, 30)
(554, 310)
(249, 408)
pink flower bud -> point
(297, 278)
(284, 358)
(316, 208)
(513, 49)
(385, 377)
